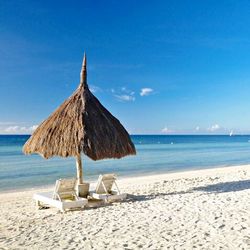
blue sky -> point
(174, 67)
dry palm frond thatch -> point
(81, 125)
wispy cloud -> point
(126, 98)
(214, 128)
(197, 128)
(19, 129)
(33, 128)
(123, 94)
(146, 91)
(166, 130)
(94, 89)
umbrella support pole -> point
(82, 187)
(79, 169)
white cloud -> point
(214, 128)
(126, 98)
(124, 94)
(127, 91)
(146, 91)
(166, 130)
(12, 129)
(33, 128)
(94, 89)
(197, 128)
(20, 129)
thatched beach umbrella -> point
(81, 125)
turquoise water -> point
(155, 154)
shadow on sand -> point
(222, 187)
(145, 197)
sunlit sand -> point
(205, 209)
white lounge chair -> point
(64, 196)
(104, 190)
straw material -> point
(81, 125)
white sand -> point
(206, 209)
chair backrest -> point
(105, 183)
(65, 188)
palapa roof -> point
(81, 125)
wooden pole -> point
(79, 169)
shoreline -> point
(192, 173)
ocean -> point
(155, 154)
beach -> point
(154, 95)
(202, 209)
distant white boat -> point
(231, 133)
